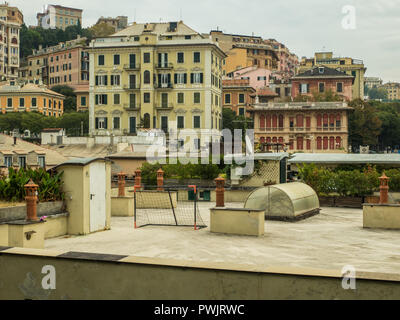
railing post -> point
(220, 192)
(31, 201)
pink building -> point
(258, 77)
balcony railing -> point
(132, 66)
(131, 107)
(164, 65)
(165, 106)
(163, 86)
(131, 87)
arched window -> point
(280, 121)
(146, 77)
(146, 121)
(332, 143)
(262, 122)
(300, 121)
(326, 120)
(338, 142)
(268, 122)
(300, 143)
(319, 143)
(274, 121)
(326, 143)
(319, 121)
(332, 120)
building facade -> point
(320, 80)
(238, 95)
(245, 52)
(11, 20)
(119, 23)
(31, 97)
(55, 16)
(352, 67)
(258, 77)
(162, 76)
(302, 127)
(64, 64)
(393, 90)
(372, 82)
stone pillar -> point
(160, 180)
(384, 188)
(220, 192)
(138, 179)
(31, 200)
(121, 184)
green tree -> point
(377, 93)
(364, 124)
(70, 97)
(101, 30)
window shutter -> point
(169, 78)
(159, 59)
(191, 77)
(97, 122)
(97, 99)
(112, 80)
(175, 78)
(201, 77)
(106, 79)
(106, 123)
(299, 87)
(97, 80)
(105, 99)
(308, 88)
(185, 78)
(159, 79)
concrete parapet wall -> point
(237, 221)
(99, 276)
(381, 216)
(122, 206)
(19, 212)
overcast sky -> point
(304, 26)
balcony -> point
(164, 66)
(131, 87)
(164, 86)
(165, 106)
(131, 107)
(132, 67)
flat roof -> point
(331, 240)
(261, 156)
(345, 158)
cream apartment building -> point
(162, 76)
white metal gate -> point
(97, 172)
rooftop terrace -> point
(331, 240)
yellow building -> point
(155, 76)
(30, 97)
(350, 66)
(393, 90)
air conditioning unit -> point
(364, 149)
